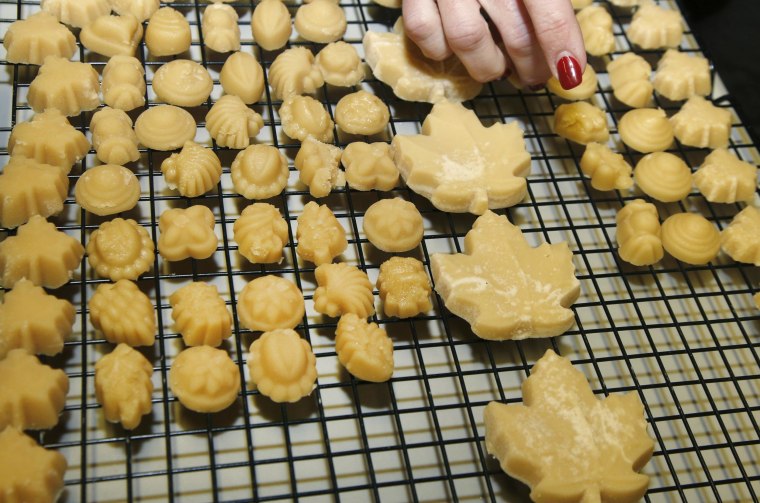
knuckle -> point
(553, 26)
(421, 28)
(467, 37)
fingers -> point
(422, 24)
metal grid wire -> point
(684, 338)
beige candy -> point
(271, 25)
(756, 298)
(221, 32)
(40, 253)
(584, 91)
(30, 472)
(123, 313)
(320, 236)
(34, 321)
(581, 122)
(243, 77)
(124, 83)
(113, 137)
(49, 139)
(183, 83)
(120, 249)
(303, 116)
(343, 289)
(107, 189)
(33, 395)
(231, 123)
(317, 164)
(76, 13)
(270, 302)
(741, 239)
(653, 27)
(724, 178)
(608, 170)
(112, 35)
(629, 77)
(29, 188)
(626, 3)
(193, 171)
(294, 72)
(141, 9)
(200, 315)
(369, 166)
(639, 233)
(680, 76)
(404, 287)
(690, 238)
(646, 130)
(580, 4)
(259, 172)
(165, 127)
(391, 4)
(460, 165)
(71, 87)
(33, 39)
(321, 21)
(261, 233)
(204, 379)
(364, 349)
(340, 64)
(596, 26)
(398, 62)
(505, 288)
(663, 176)
(282, 366)
(123, 386)
(361, 113)
(566, 444)
(168, 33)
(701, 124)
(393, 225)
(187, 233)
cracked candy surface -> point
(565, 443)
(320, 236)
(271, 24)
(231, 123)
(701, 124)
(361, 113)
(32, 320)
(71, 87)
(608, 170)
(369, 166)
(168, 33)
(183, 83)
(29, 188)
(282, 366)
(221, 32)
(294, 72)
(40, 253)
(663, 176)
(460, 165)
(317, 165)
(112, 35)
(596, 26)
(165, 127)
(49, 138)
(259, 172)
(630, 80)
(187, 233)
(340, 64)
(120, 249)
(364, 349)
(38, 36)
(192, 171)
(33, 394)
(303, 116)
(76, 13)
(270, 302)
(639, 234)
(680, 76)
(646, 130)
(123, 386)
(113, 137)
(653, 27)
(342, 289)
(29, 472)
(505, 288)
(690, 238)
(124, 83)
(107, 189)
(724, 178)
(581, 122)
(204, 379)
(393, 225)
(261, 233)
(741, 239)
(200, 315)
(242, 76)
(123, 313)
(321, 21)
(404, 287)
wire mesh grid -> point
(684, 338)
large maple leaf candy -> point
(505, 288)
(461, 165)
(567, 445)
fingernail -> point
(569, 72)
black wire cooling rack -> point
(683, 338)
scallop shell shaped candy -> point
(294, 72)
(168, 33)
(123, 313)
(270, 302)
(183, 83)
(243, 77)
(165, 127)
(107, 189)
(741, 239)
(261, 233)
(120, 249)
(690, 238)
(639, 233)
(364, 349)
(282, 366)
(259, 172)
(76, 13)
(663, 176)
(231, 123)
(321, 21)
(193, 171)
(343, 289)
(646, 130)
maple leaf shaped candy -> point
(187, 233)
(460, 165)
(567, 445)
(505, 288)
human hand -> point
(533, 39)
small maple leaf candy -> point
(270, 302)
(49, 138)
(200, 315)
(204, 379)
(29, 187)
(460, 165)
(505, 288)
(123, 386)
(40, 35)
(741, 239)
(29, 472)
(567, 445)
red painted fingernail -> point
(569, 72)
